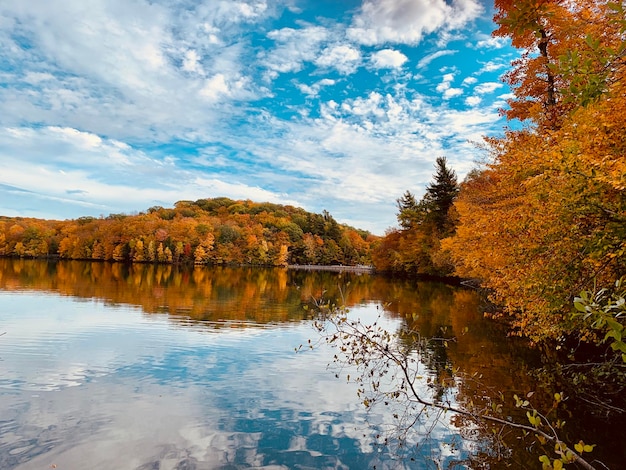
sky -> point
(115, 106)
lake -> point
(109, 366)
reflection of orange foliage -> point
(213, 293)
(219, 296)
(202, 293)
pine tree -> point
(407, 210)
(440, 196)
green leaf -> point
(544, 460)
(619, 346)
(533, 419)
(614, 325)
(613, 334)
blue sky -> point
(115, 106)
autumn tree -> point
(568, 52)
(207, 231)
(545, 218)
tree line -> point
(206, 231)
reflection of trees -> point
(465, 363)
(209, 294)
(477, 362)
(206, 294)
(413, 377)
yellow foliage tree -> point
(547, 217)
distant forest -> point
(207, 231)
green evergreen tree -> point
(440, 196)
(408, 210)
(416, 248)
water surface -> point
(107, 366)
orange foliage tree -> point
(207, 231)
(568, 51)
(547, 217)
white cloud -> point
(191, 62)
(492, 43)
(388, 58)
(293, 48)
(344, 58)
(229, 12)
(215, 87)
(64, 146)
(36, 78)
(365, 106)
(425, 61)
(448, 78)
(451, 93)
(127, 68)
(473, 100)
(446, 89)
(220, 87)
(248, 10)
(469, 80)
(315, 88)
(407, 21)
(487, 87)
(492, 66)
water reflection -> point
(153, 367)
(162, 397)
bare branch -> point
(377, 353)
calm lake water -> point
(107, 366)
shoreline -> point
(361, 269)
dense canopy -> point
(207, 231)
